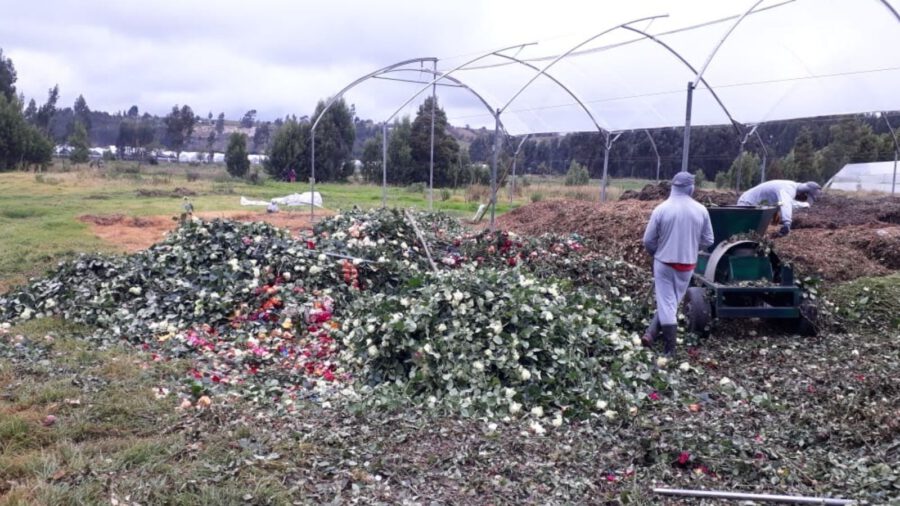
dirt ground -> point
(840, 238)
(135, 233)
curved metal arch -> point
(572, 50)
(734, 123)
(456, 82)
(366, 77)
(722, 41)
(571, 93)
(451, 71)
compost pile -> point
(838, 239)
(660, 191)
(500, 325)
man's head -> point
(683, 183)
(809, 192)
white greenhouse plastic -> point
(874, 176)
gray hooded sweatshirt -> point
(777, 192)
(680, 226)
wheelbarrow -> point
(738, 277)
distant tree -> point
(31, 111)
(445, 146)
(210, 141)
(45, 112)
(236, 160)
(372, 159)
(209, 117)
(577, 175)
(400, 169)
(745, 167)
(289, 149)
(249, 119)
(334, 138)
(804, 156)
(7, 78)
(699, 178)
(21, 144)
(220, 124)
(179, 127)
(133, 112)
(82, 113)
(261, 136)
(80, 144)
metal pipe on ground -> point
(740, 496)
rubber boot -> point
(652, 332)
(668, 334)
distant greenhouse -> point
(874, 176)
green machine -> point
(740, 278)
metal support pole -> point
(739, 496)
(494, 168)
(605, 167)
(656, 152)
(431, 154)
(312, 178)
(605, 180)
(896, 152)
(384, 140)
(512, 190)
(687, 128)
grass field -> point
(38, 212)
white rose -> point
(537, 411)
(442, 328)
(478, 365)
(724, 381)
(373, 351)
(601, 404)
(661, 361)
(514, 407)
(492, 427)
(537, 428)
(684, 366)
(26, 315)
(525, 374)
(135, 290)
(609, 414)
(557, 420)
(286, 276)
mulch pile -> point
(840, 238)
(614, 229)
(661, 191)
(836, 211)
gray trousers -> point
(670, 286)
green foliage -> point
(179, 127)
(334, 138)
(401, 168)
(699, 178)
(45, 112)
(372, 158)
(869, 303)
(577, 175)
(745, 169)
(446, 148)
(137, 134)
(288, 150)
(220, 123)
(417, 187)
(261, 136)
(79, 143)
(537, 197)
(445, 194)
(82, 112)
(7, 78)
(236, 160)
(21, 144)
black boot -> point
(668, 334)
(651, 333)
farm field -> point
(236, 364)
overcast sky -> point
(280, 57)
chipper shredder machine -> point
(739, 277)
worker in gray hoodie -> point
(678, 229)
(781, 193)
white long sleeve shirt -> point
(778, 192)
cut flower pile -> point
(505, 325)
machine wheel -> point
(697, 311)
(807, 323)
